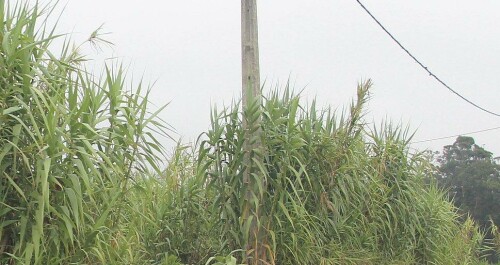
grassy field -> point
(84, 179)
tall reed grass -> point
(336, 191)
(84, 179)
(72, 147)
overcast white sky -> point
(191, 48)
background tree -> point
(472, 178)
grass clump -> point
(71, 147)
(336, 192)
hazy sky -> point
(191, 49)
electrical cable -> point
(452, 136)
(422, 65)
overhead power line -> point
(456, 135)
(422, 65)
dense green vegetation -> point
(335, 193)
(82, 179)
(472, 179)
(72, 147)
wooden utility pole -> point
(255, 249)
(250, 50)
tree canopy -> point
(472, 177)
